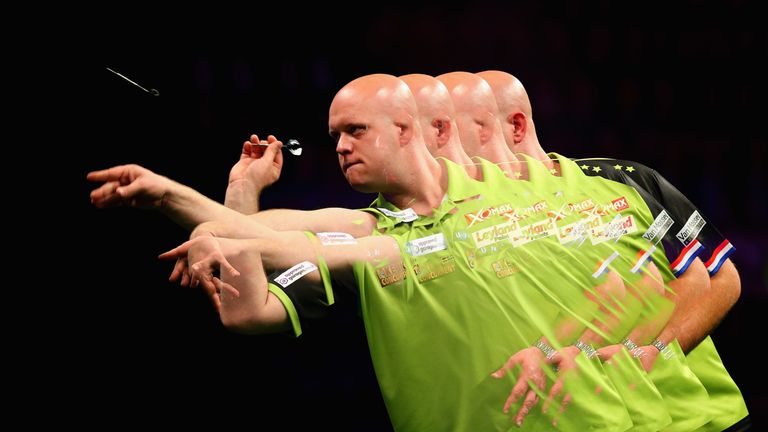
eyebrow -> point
(347, 126)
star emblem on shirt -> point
(518, 174)
(630, 169)
(585, 167)
(559, 194)
(553, 171)
(596, 169)
(617, 167)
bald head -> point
(378, 139)
(476, 112)
(432, 96)
(436, 112)
(509, 91)
(469, 92)
(515, 113)
(385, 93)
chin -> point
(359, 184)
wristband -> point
(636, 351)
(548, 351)
(663, 349)
(586, 348)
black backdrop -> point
(680, 88)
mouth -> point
(347, 165)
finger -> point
(130, 190)
(232, 271)
(500, 372)
(271, 139)
(207, 282)
(105, 195)
(210, 292)
(246, 150)
(566, 401)
(185, 279)
(509, 364)
(178, 269)
(223, 286)
(273, 150)
(254, 139)
(554, 392)
(176, 253)
(279, 155)
(517, 392)
(531, 399)
(109, 174)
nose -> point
(344, 145)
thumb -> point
(129, 191)
(273, 149)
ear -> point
(444, 129)
(487, 125)
(406, 131)
(519, 124)
(405, 124)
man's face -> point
(364, 141)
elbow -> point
(246, 324)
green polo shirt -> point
(462, 301)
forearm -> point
(354, 222)
(189, 208)
(698, 317)
(692, 285)
(235, 226)
(255, 310)
(243, 197)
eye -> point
(334, 136)
(356, 129)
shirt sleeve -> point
(685, 232)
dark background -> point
(678, 87)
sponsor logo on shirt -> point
(434, 269)
(572, 208)
(588, 208)
(504, 268)
(578, 231)
(295, 273)
(485, 213)
(659, 227)
(335, 238)
(620, 204)
(614, 229)
(493, 234)
(426, 245)
(506, 210)
(534, 231)
(523, 213)
(390, 274)
(691, 229)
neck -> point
(423, 188)
(455, 153)
(532, 148)
(500, 155)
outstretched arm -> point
(136, 186)
(252, 311)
